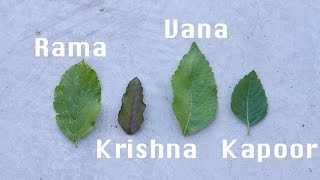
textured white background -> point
(279, 39)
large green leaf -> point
(194, 92)
(77, 101)
(130, 116)
(249, 101)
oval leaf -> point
(77, 101)
(249, 101)
(130, 116)
(194, 92)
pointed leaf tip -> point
(253, 72)
(194, 46)
(136, 79)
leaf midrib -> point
(77, 114)
(248, 96)
(191, 95)
(133, 109)
(81, 95)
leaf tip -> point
(136, 79)
(253, 72)
(194, 45)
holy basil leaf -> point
(194, 92)
(249, 101)
(130, 116)
(77, 101)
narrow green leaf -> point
(249, 101)
(130, 116)
(77, 101)
(194, 92)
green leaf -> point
(130, 116)
(249, 101)
(77, 101)
(194, 92)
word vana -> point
(141, 150)
(188, 30)
(264, 151)
(59, 49)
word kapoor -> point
(59, 49)
(188, 30)
(264, 151)
(141, 150)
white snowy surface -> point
(279, 39)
